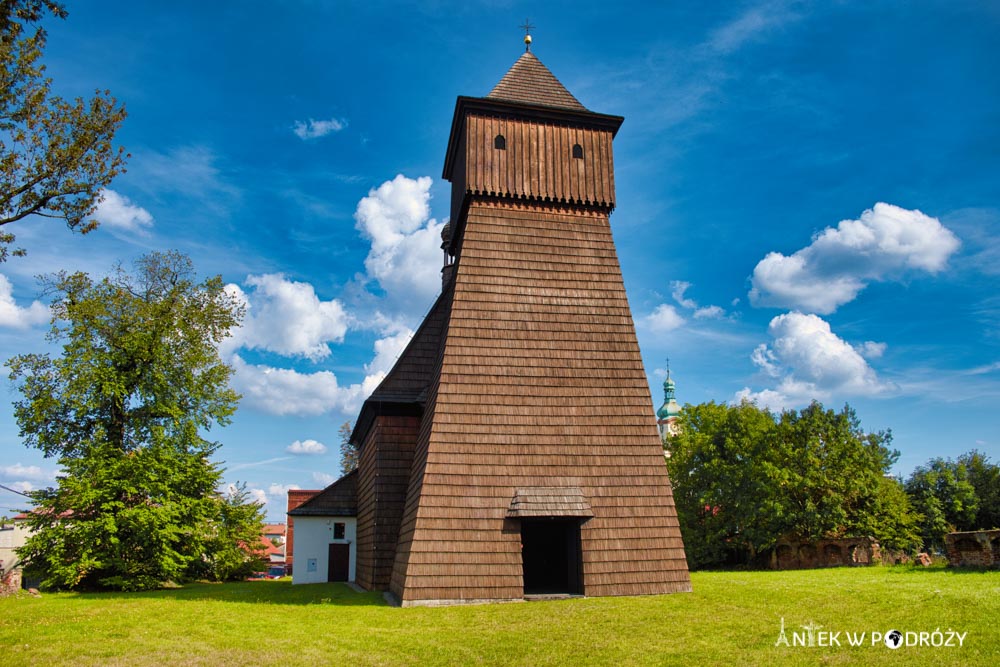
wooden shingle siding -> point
(557, 399)
(407, 526)
(538, 162)
(527, 395)
(384, 471)
(530, 82)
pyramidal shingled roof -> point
(528, 81)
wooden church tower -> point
(511, 450)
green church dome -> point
(670, 407)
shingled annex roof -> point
(531, 82)
(338, 499)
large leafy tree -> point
(833, 470)
(985, 478)
(234, 547)
(726, 491)
(743, 477)
(943, 493)
(124, 410)
(55, 155)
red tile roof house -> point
(274, 531)
(273, 539)
(512, 450)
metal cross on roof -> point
(527, 34)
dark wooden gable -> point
(403, 390)
(338, 499)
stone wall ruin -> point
(794, 554)
(977, 548)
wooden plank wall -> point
(367, 472)
(541, 384)
(538, 162)
(384, 475)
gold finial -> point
(527, 34)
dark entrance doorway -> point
(339, 563)
(550, 553)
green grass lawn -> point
(730, 618)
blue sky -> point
(808, 198)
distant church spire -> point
(666, 416)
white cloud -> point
(871, 349)
(752, 25)
(405, 256)
(258, 496)
(286, 317)
(709, 313)
(314, 129)
(26, 472)
(21, 485)
(772, 400)
(192, 172)
(279, 491)
(663, 319)
(323, 478)
(281, 391)
(882, 244)
(764, 359)
(273, 499)
(987, 368)
(387, 351)
(16, 317)
(809, 361)
(678, 287)
(306, 447)
(118, 211)
(25, 478)
(678, 290)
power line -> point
(20, 493)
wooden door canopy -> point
(549, 501)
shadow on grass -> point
(255, 592)
(941, 569)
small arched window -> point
(578, 151)
(500, 143)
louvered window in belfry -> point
(500, 143)
(578, 151)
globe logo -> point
(894, 639)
